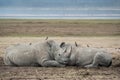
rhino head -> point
(60, 54)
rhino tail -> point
(110, 64)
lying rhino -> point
(47, 53)
(88, 57)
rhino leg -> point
(8, 62)
(96, 61)
(51, 63)
(91, 65)
(101, 59)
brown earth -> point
(111, 44)
(105, 29)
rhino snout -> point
(64, 61)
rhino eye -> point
(59, 54)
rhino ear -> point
(76, 44)
(62, 44)
(50, 43)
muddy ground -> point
(111, 44)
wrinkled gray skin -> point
(88, 57)
(46, 54)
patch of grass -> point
(67, 35)
(59, 27)
(76, 21)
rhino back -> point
(21, 55)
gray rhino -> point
(47, 53)
(88, 57)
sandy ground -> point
(111, 44)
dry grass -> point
(38, 27)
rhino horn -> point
(68, 51)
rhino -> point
(88, 57)
(47, 54)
